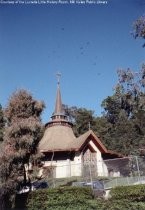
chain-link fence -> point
(125, 171)
(113, 172)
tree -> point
(2, 123)
(139, 28)
(84, 120)
(22, 135)
(125, 110)
(103, 129)
(81, 118)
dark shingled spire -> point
(58, 104)
(59, 117)
(59, 113)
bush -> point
(81, 198)
(61, 198)
(131, 193)
(124, 205)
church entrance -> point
(89, 164)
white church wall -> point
(76, 165)
(63, 169)
(67, 168)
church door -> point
(89, 166)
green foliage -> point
(125, 113)
(126, 198)
(103, 129)
(123, 204)
(131, 193)
(84, 119)
(61, 198)
(81, 118)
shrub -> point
(81, 198)
(131, 193)
(124, 205)
(61, 198)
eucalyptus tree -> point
(125, 110)
(2, 123)
(139, 28)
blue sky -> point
(86, 43)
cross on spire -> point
(58, 75)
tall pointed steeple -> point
(58, 104)
(59, 117)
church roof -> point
(57, 138)
(83, 139)
(62, 138)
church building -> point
(70, 155)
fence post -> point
(90, 174)
(69, 168)
(53, 177)
(138, 170)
